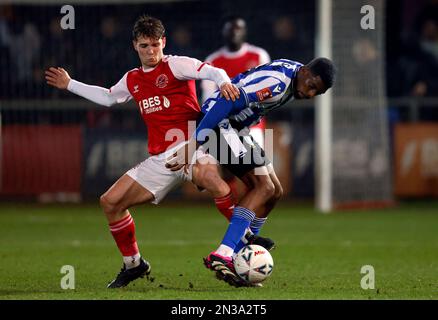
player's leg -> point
(206, 174)
(261, 192)
(221, 259)
(254, 169)
(278, 193)
(148, 181)
(252, 236)
(250, 212)
(123, 194)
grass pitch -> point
(317, 256)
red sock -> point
(123, 232)
(225, 205)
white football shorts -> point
(153, 175)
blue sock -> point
(255, 226)
(240, 220)
(239, 246)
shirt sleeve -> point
(185, 68)
(208, 87)
(217, 110)
(264, 56)
(118, 93)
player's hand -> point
(57, 77)
(230, 91)
(181, 157)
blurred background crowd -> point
(99, 51)
(31, 39)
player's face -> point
(150, 50)
(307, 85)
(234, 32)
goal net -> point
(360, 168)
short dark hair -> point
(149, 27)
(324, 68)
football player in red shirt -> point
(164, 90)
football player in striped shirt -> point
(262, 89)
(236, 56)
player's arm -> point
(185, 68)
(269, 89)
(119, 93)
(207, 87)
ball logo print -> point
(253, 264)
(246, 254)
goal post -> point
(323, 104)
(352, 165)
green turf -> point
(317, 256)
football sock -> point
(240, 221)
(132, 261)
(242, 241)
(256, 224)
(123, 232)
(225, 205)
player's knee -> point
(108, 206)
(266, 189)
(278, 194)
(212, 181)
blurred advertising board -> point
(108, 154)
(39, 159)
(416, 160)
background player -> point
(263, 89)
(164, 91)
(236, 56)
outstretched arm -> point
(119, 93)
(185, 68)
(58, 78)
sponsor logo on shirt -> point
(153, 104)
(162, 81)
(166, 102)
(277, 89)
(264, 94)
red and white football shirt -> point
(165, 96)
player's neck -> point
(147, 68)
(234, 47)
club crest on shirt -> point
(161, 81)
(264, 94)
(135, 88)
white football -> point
(253, 263)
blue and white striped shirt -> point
(262, 89)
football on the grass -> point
(253, 263)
